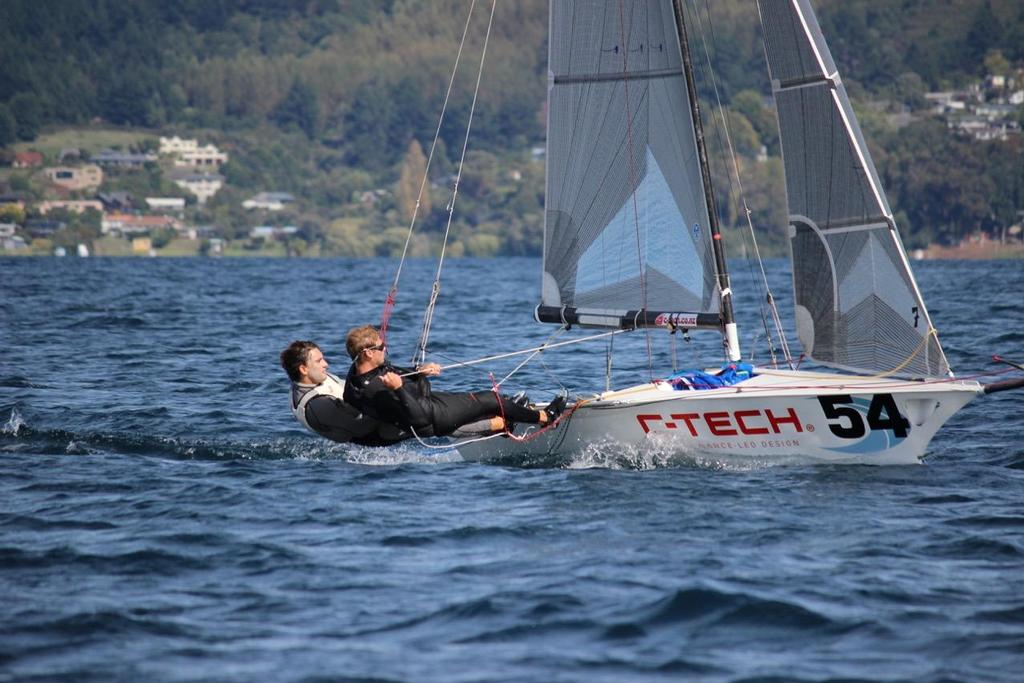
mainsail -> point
(626, 225)
(857, 304)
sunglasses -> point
(378, 347)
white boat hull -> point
(776, 414)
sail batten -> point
(618, 76)
(858, 306)
(626, 225)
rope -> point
(533, 350)
(452, 447)
(533, 434)
(428, 315)
(533, 355)
(924, 340)
(389, 302)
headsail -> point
(857, 304)
(626, 224)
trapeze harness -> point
(346, 424)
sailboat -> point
(632, 241)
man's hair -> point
(360, 338)
(295, 355)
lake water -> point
(163, 517)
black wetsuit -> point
(338, 421)
(430, 413)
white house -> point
(176, 145)
(269, 201)
(202, 185)
(74, 206)
(166, 204)
(208, 155)
(272, 231)
(76, 177)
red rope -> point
(501, 406)
(385, 316)
(551, 425)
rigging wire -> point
(389, 301)
(763, 285)
(533, 350)
(428, 316)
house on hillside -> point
(268, 232)
(175, 204)
(176, 145)
(110, 157)
(9, 241)
(269, 201)
(202, 185)
(208, 156)
(12, 200)
(119, 224)
(73, 206)
(115, 201)
(75, 178)
(43, 227)
(27, 160)
(189, 153)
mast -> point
(728, 320)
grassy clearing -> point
(180, 247)
(112, 246)
(85, 139)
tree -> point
(27, 113)
(986, 33)
(12, 213)
(161, 237)
(299, 109)
(996, 64)
(8, 126)
(909, 89)
(751, 104)
(410, 179)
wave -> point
(735, 610)
(652, 454)
(138, 562)
(18, 436)
(466, 533)
(17, 382)
(977, 548)
(104, 322)
(95, 624)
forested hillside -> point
(336, 101)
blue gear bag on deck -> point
(731, 373)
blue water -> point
(162, 516)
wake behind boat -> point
(632, 241)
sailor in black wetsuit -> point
(404, 397)
(317, 401)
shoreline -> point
(979, 251)
(976, 251)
